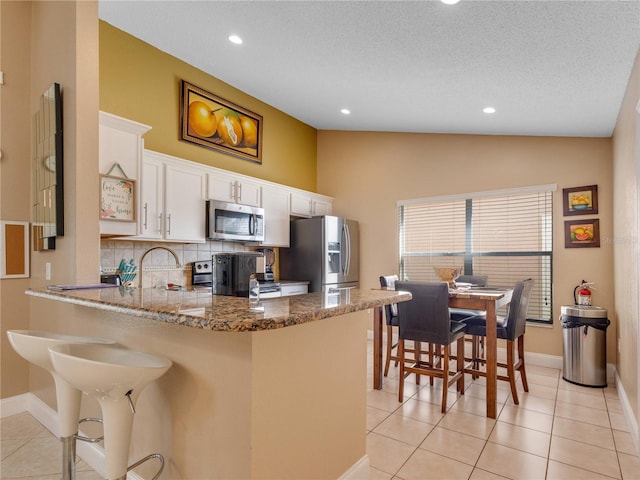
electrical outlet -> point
(47, 271)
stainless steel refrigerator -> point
(324, 251)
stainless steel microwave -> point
(231, 221)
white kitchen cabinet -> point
(229, 188)
(151, 198)
(121, 143)
(275, 202)
(306, 204)
(172, 200)
(289, 289)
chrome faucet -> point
(175, 255)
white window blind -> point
(506, 235)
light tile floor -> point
(559, 431)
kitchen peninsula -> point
(276, 390)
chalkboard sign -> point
(117, 199)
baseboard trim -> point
(627, 410)
(91, 453)
(357, 471)
(537, 359)
(14, 405)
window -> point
(505, 234)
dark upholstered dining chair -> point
(510, 328)
(426, 318)
(461, 314)
(391, 317)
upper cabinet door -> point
(121, 144)
(306, 204)
(229, 188)
(321, 207)
(275, 202)
(151, 196)
(184, 204)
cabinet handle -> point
(160, 223)
(239, 195)
(311, 207)
(169, 224)
(145, 215)
(232, 191)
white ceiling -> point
(556, 68)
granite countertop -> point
(199, 309)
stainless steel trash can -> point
(584, 340)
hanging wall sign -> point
(117, 199)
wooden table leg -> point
(492, 360)
(377, 348)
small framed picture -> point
(582, 233)
(580, 200)
(14, 249)
(117, 199)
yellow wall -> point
(399, 166)
(142, 83)
(626, 159)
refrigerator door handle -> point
(347, 248)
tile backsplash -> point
(159, 265)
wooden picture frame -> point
(117, 199)
(14, 248)
(213, 122)
(582, 233)
(580, 200)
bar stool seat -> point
(115, 376)
(33, 346)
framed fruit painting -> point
(581, 233)
(580, 200)
(213, 122)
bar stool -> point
(33, 346)
(115, 376)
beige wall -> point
(626, 160)
(142, 83)
(399, 166)
(15, 118)
(42, 43)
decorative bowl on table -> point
(448, 274)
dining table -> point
(489, 299)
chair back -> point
(517, 315)
(478, 280)
(391, 310)
(425, 318)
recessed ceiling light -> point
(489, 110)
(235, 39)
(345, 111)
(450, 2)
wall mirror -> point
(48, 206)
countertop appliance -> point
(202, 274)
(231, 272)
(324, 251)
(231, 221)
(269, 259)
